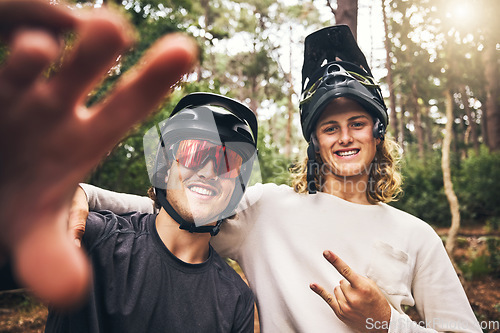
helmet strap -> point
(312, 166)
(161, 195)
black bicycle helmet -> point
(205, 116)
(334, 67)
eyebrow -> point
(331, 122)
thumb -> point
(78, 214)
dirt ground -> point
(20, 312)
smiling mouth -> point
(346, 153)
(202, 190)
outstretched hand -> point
(356, 300)
(49, 140)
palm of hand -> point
(49, 141)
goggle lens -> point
(194, 154)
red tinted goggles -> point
(194, 154)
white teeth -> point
(347, 153)
(201, 190)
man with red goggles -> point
(158, 272)
(194, 154)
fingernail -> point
(312, 286)
(327, 254)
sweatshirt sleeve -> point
(118, 203)
(439, 296)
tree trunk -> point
(390, 83)
(492, 92)
(290, 106)
(464, 152)
(417, 119)
(484, 125)
(472, 120)
(402, 125)
(346, 13)
(428, 125)
(454, 139)
(448, 185)
(205, 4)
(253, 104)
(288, 137)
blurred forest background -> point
(438, 64)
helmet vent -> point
(306, 82)
(243, 131)
(334, 68)
(185, 115)
(336, 80)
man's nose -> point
(345, 136)
(208, 170)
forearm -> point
(118, 203)
(401, 323)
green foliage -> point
(423, 194)
(149, 28)
(493, 248)
(493, 224)
(478, 186)
(483, 260)
(273, 166)
(476, 268)
(124, 169)
(19, 302)
(476, 182)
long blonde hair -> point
(384, 174)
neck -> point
(350, 188)
(189, 247)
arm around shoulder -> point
(118, 203)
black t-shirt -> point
(140, 286)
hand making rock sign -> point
(357, 298)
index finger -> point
(342, 267)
